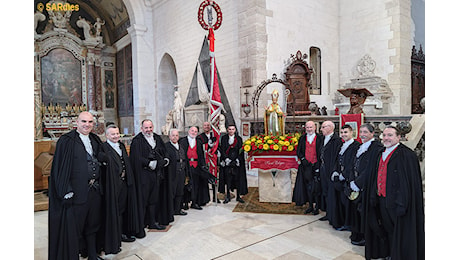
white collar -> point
(363, 147)
(345, 145)
(388, 151)
(191, 141)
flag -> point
(355, 121)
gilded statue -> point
(274, 117)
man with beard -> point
(395, 219)
(75, 193)
(233, 166)
(209, 142)
(120, 200)
(177, 170)
(339, 213)
(328, 163)
(199, 173)
(148, 161)
(364, 164)
(307, 185)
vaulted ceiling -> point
(113, 12)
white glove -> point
(153, 164)
(222, 163)
(227, 161)
(353, 186)
(237, 162)
(68, 195)
(341, 178)
(218, 153)
(210, 143)
(333, 175)
(317, 170)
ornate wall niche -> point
(60, 68)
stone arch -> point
(167, 81)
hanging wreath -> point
(216, 7)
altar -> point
(277, 171)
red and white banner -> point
(355, 121)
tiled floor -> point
(217, 233)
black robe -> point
(338, 209)
(363, 167)
(328, 164)
(404, 199)
(131, 219)
(305, 187)
(176, 180)
(69, 172)
(198, 176)
(240, 182)
(140, 153)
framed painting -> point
(61, 78)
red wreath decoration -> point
(216, 7)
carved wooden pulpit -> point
(298, 76)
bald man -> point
(307, 186)
(75, 193)
(328, 164)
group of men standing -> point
(373, 189)
(99, 196)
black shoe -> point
(227, 200)
(309, 210)
(181, 213)
(185, 206)
(239, 199)
(359, 243)
(157, 227)
(214, 200)
(196, 206)
(316, 212)
(124, 238)
(323, 218)
(342, 228)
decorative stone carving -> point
(90, 37)
(60, 19)
(38, 17)
(378, 104)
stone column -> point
(144, 77)
(38, 129)
(90, 84)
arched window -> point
(315, 64)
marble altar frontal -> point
(275, 185)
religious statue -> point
(274, 117)
(169, 123)
(38, 17)
(178, 112)
(98, 26)
(357, 98)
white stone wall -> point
(299, 25)
(382, 30)
(178, 33)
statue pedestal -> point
(276, 171)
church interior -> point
(129, 60)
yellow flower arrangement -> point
(287, 142)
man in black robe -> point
(339, 210)
(233, 169)
(210, 145)
(147, 155)
(199, 173)
(120, 200)
(177, 170)
(395, 219)
(75, 193)
(328, 164)
(363, 165)
(307, 186)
